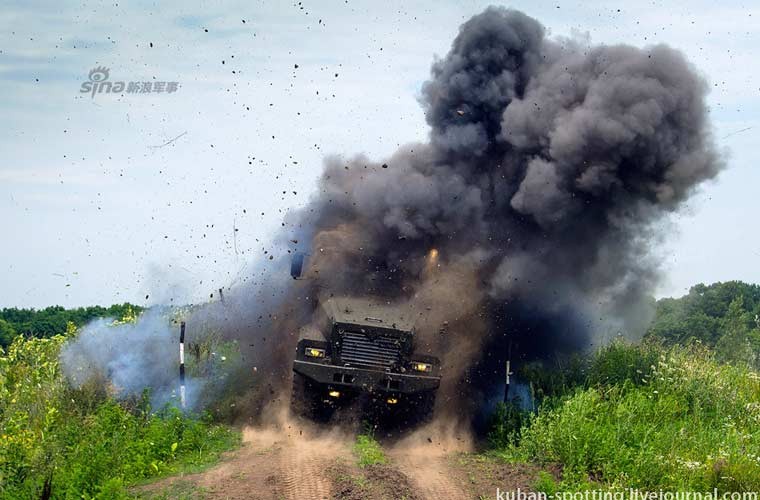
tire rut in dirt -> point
(304, 464)
(431, 476)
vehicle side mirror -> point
(296, 265)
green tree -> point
(7, 333)
(734, 344)
(700, 314)
(54, 320)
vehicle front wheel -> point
(307, 400)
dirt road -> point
(301, 462)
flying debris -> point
(549, 164)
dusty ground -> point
(298, 461)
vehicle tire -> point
(300, 398)
(307, 400)
(425, 407)
(419, 408)
(411, 411)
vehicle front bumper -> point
(365, 380)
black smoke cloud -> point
(549, 164)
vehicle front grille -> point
(362, 349)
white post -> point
(182, 364)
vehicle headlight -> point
(418, 366)
(314, 352)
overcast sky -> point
(114, 197)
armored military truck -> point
(362, 349)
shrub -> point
(621, 362)
(686, 422)
(505, 423)
(81, 443)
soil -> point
(299, 461)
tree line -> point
(723, 316)
(53, 320)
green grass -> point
(652, 418)
(178, 490)
(82, 443)
(368, 450)
(545, 483)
